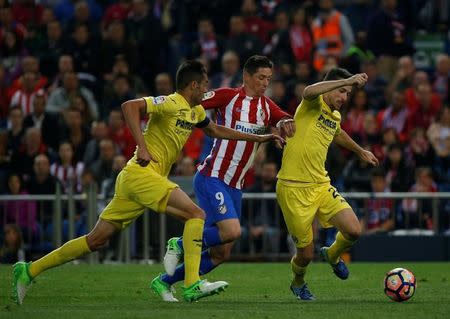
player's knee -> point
(353, 233)
(96, 242)
(304, 258)
(230, 234)
(221, 255)
(196, 212)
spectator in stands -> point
(12, 53)
(371, 133)
(66, 170)
(355, 175)
(16, 131)
(5, 160)
(404, 75)
(277, 92)
(29, 64)
(375, 86)
(24, 97)
(300, 36)
(439, 133)
(279, 46)
(22, 160)
(116, 12)
(99, 131)
(60, 98)
(114, 44)
(208, 44)
(4, 100)
(12, 250)
(441, 78)
(51, 49)
(412, 94)
(395, 116)
(9, 23)
(20, 212)
(378, 215)
(398, 172)
(296, 99)
(80, 103)
(121, 134)
(259, 220)
(103, 165)
(85, 51)
(82, 15)
(386, 36)
(254, 23)
(230, 75)
(427, 109)
(65, 64)
(65, 10)
(41, 182)
(120, 94)
(107, 187)
(358, 53)
(145, 29)
(120, 67)
(240, 41)
(332, 34)
(76, 132)
(420, 216)
(163, 84)
(353, 123)
(46, 122)
(418, 152)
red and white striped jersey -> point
(23, 100)
(69, 175)
(230, 160)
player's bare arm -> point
(219, 131)
(132, 112)
(314, 90)
(344, 140)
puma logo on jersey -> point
(327, 122)
(185, 124)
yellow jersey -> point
(172, 121)
(305, 153)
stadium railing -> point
(145, 240)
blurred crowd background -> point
(66, 66)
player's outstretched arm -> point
(219, 131)
(344, 140)
(314, 90)
(132, 110)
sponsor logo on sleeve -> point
(159, 99)
(208, 95)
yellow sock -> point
(192, 246)
(71, 250)
(338, 247)
(299, 274)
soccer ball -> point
(399, 284)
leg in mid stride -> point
(349, 230)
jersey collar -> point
(181, 99)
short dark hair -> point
(337, 74)
(255, 62)
(189, 71)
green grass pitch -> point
(256, 291)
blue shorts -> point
(217, 199)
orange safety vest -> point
(328, 33)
